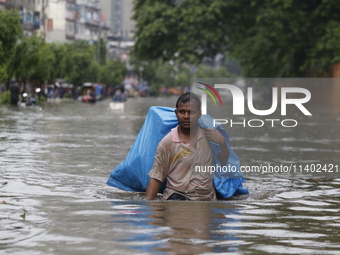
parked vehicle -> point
(88, 93)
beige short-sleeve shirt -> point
(180, 162)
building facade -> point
(118, 15)
(70, 17)
(61, 20)
(119, 18)
(30, 14)
(2, 4)
(88, 20)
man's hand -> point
(152, 189)
(215, 136)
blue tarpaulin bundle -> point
(132, 173)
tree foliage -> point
(39, 62)
(172, 74)
(113, 72)
(81, 64)
(24, 59)
(102, 52)
(167, 28)
(5, 98)
(31, 59)
(60, 55)
(269, 38)
(43, 70)
(10, 31)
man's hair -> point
(187, 97)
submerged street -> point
(55, 159)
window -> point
(70, 28)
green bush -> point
(42, 98)
(5, 98)
(68, 95)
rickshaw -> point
(88, 93)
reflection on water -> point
(177, 227)
(55, 161)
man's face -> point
(188, 114)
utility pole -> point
(99, 34)
(43, 9)
(99, 30)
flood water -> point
(55, 160)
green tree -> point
(81, 63)
(102, 52)
(113, 72)
(172, 74)
(5, 97)
(43, 71)
(60, 58)
(10, 31)
(24, 58)
(285, 38)
(187, 28)
(269, 38)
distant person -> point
(62, 92)
(15, 91)
(186, 145)
(119, 94)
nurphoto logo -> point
(210, 94)
(238, 99)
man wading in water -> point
(180, 150)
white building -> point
(88, 20)
(60, 21)
(118, 15)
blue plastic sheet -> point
(226, 183)
(132, 173)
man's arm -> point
(224, 155)
(152, 189)
(215, 136)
